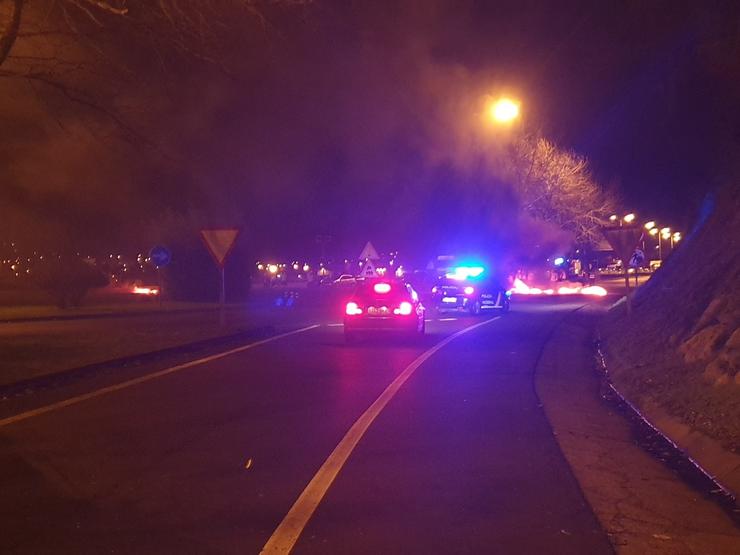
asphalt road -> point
(210, 458)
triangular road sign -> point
(368, 270)
(623, 240)
(369, 252)
(219, 242)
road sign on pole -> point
(160, 256)
(368, 270)
(369, 252)
(219, 243)
(624, 240)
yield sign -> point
(623, 240)
(368, 271)
(369, 252)
(219, 242)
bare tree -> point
(87, 50)
(556, 186)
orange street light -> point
(504, 110)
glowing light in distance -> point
(650, 225)
(306, 267)
(296, 266)
(352, 309)
(272, 268)
(629, 218)
(382, 288)
(665, 230)
(613, 218)
(559, 261)
(146, 290)
(654, 231)
(596, 290)
(260, 267)
(468, 290)
(504, 110)
(677, 236)
(404, 309)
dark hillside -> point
(680, 349)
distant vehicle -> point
(145, 290)
(473, 296)
(346, 279)
(383, 305)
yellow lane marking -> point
(286, 534)
(123, 385)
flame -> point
(521, 288)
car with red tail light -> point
(383, 306)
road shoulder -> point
(643, 506)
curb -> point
(65, 377)
(718, 478)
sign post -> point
(219, 243)
(624, 240)
(369, 253)
(160, 257)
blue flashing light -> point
(559, 261)
(462, 273)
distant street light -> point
(629, 218)
(650, 226)
(504, 110)
(613, 218)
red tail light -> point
(352, 309)
(404, 309)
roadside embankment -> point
(677, 355)
(641, 503)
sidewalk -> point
(640, 502)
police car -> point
(469, 289)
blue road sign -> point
(160, 256)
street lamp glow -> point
(273, 268)
(650, 225)
(653, 231)
(613, 218)
(677, 236)
(504, 110)
(665, 230)
(629, 218)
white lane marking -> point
(335, 325)
(448, 319)
(123, 385)
(285, 536)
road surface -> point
(456, 456)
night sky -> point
(360, 120)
